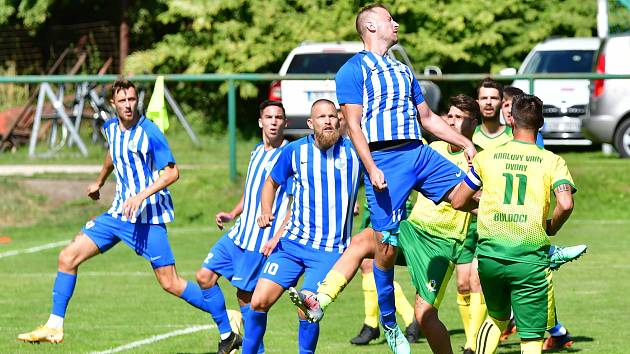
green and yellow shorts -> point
(430, 261)
(525, 288)
(470, 244)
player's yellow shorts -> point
(525, 288)
(430, 261)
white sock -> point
(225, 336)
(54, 321)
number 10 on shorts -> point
(270, 268)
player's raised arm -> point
(563, 209)
(267, 196)
(106, 170)
(436, 126)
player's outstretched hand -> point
(131, 206)
(93, 191)
(378, 180)
(222, 217)
(470, 152)
(270, 246)
(264, 220)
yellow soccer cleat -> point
(42, 334)
(236, 321)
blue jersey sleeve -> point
(416, 90)
(539, 140)
(282, 171)
(349, 83)
(158, 147)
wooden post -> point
(123, 45)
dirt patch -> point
(59, 191)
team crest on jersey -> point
(133, 146)
(89, 224)
(340, 164)
(431, 285)
(269, 166)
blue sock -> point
(557, 330)
(255, 327)
(62, 292)
(385, 289)
(213, 303)
(308, 333)
(245, 312)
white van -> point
(564, 101)
(297, 96)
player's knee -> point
(260, 304)
(463, 286)
(67, 260)
(425, 314)
(206, 278)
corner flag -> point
(156, 111)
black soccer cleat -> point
(366, 334)
(227, 345)
(412, 333)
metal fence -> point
(231, 79)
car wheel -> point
(622, 138)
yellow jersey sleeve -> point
(442, 220)
(561, 174)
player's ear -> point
(309, 122)
(259, 123)
(370, 26)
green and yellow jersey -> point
(518, 179)
(442, 220)
(486, 142)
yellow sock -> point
(463, 301)
(531, 346)
(403, 307)
(332, 285)
(370, 299)
(489, 335)
(478, 313)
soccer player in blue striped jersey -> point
(144, 167)
(384, 106)
(325, 169)
(241, 252)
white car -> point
(326, 58)
(564, 101)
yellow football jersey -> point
(517, 179)
(485, 142)
(442, 220)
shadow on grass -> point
(515, 347)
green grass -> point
(118, 301)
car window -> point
(318, 63)
(561, 61)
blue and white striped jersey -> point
(388, 91)
(139, 154)
(324, 192)
(246, 233)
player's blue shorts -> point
(411, 166)
(291, 259)
(241, 267)
(147, 240)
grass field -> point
(117, 300)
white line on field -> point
(91, 274)
(34, 249)
(156, 338)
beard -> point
(326, 139)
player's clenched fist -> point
(264, 220)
